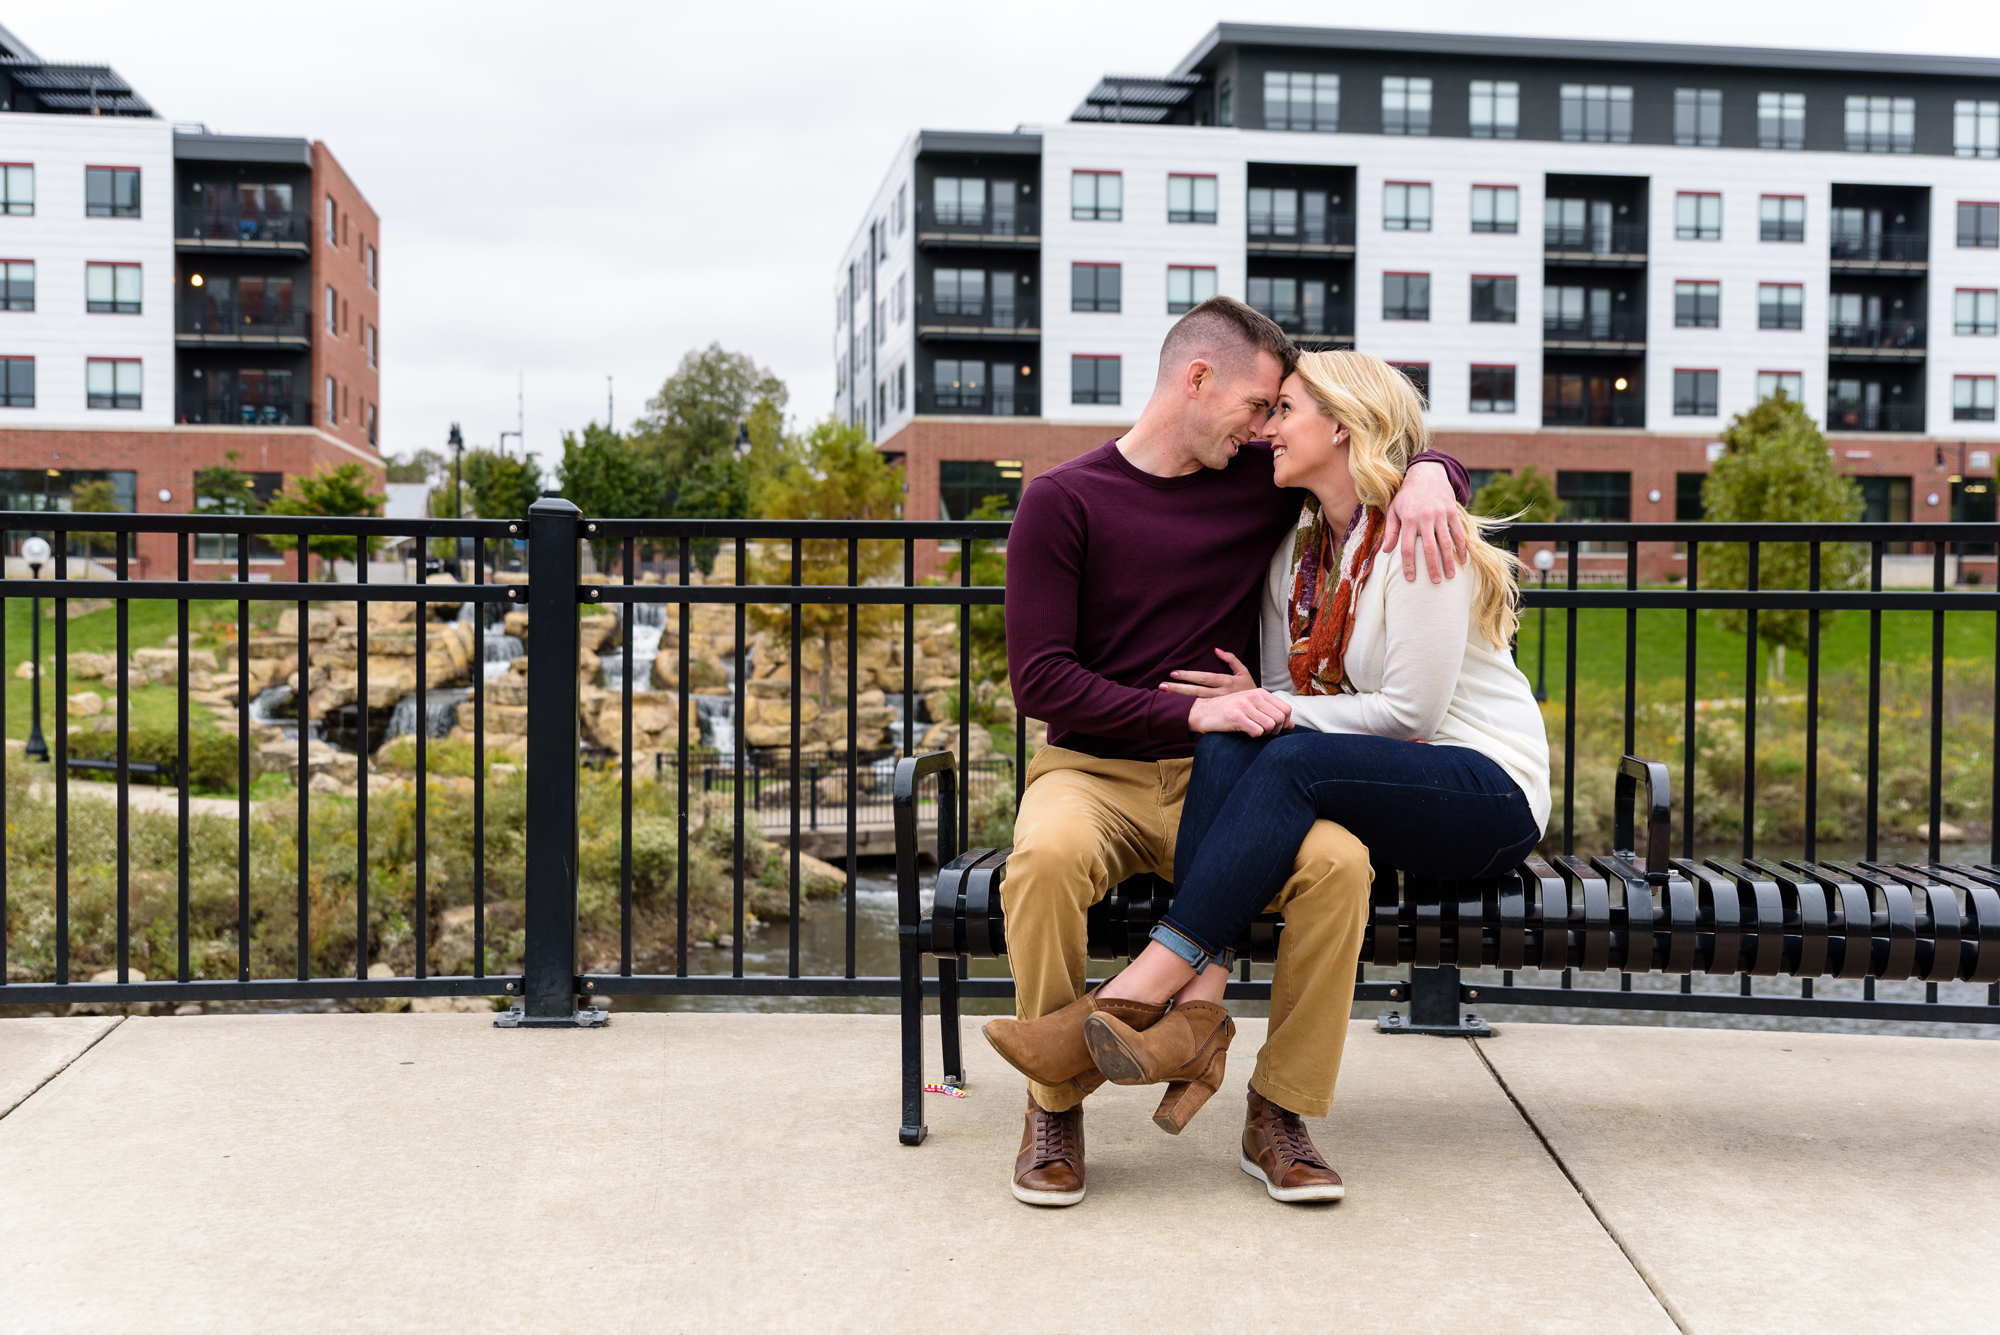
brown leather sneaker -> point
(1049, 1168)
(1278, 1152)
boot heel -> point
(1184, 1098)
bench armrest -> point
(910, 773)
(1659, 814)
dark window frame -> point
(1788, 315)
(111, 178)
(1408, 120)
(1407, 292)
(1609, 493)
(12, 395)
(1407, 220)
(1493, 305)
(960, 495)
(1096, 393)
(1976, 327)
(1097, 210)
(1193, 213)
(1973, 410)
(1984, 216)
(113, 306)
(1699, 308)
(1182, 308)
(1493, 127)
(1778, 130)
(9, 301)
(115, 401)
(1781, 229)
(1700, 229)
(1096, 301)
(1493, 225)
(1577, 102)
(1697, 391)
(9, 206)
(1698, 117)
(1495, 378)
(1419, 376)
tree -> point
(501, 486)
(695, 417)
(1778, 470)
(224, 489)
(835, 473)
(338, 492)
(419, 467)
(605, 475)
(97, 497)
(1530, 497)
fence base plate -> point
(1470, 1026)
(514, 1018)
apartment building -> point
(174, 298)
(1588, 255)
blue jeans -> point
(1445, 812)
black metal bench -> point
(1615, 913)
(144, 769)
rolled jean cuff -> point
(1194, 952)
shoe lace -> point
(1052, 1138)
(1293, 1141)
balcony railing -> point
(986, 223)
(230, 224)
(1882, 247)
(1608, 327)
(237, 410)
(1880, 336)
(980, 317)
(982, 401)
(1308, 323)
(1874, 417)
(1270, 231)
(234, 320)
(1615, 411)
(1596, 239)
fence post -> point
(549, 969)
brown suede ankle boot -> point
(1051, 1049)
(1185, 1050)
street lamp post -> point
(36, 552)
(1545, 561)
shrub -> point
(211, 755)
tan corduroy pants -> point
(1086, 824)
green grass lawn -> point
(149, 623)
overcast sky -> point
(578, 190)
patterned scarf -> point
(1322, 613)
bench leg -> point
(954, 1059)
(913, 1129)
(1434, 1008)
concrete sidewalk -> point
(690, 1172)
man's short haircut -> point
(1228, 335)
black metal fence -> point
(837, 571)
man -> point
(1127, 564)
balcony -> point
(228, 225)
(235, 410)
(1850, 416)
(1311, 328)
(980, 402)
(211, 323)
(1016, 226)
(978, 319)
(1607, 332)
(1864, 251)
(1617, 410)
(1595, 245)
(1289, 234)
(1886, 340)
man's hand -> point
(1256, 712)
(1426, 510)
(1206, 685)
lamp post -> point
(1545, 561)
(36, 552)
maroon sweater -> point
(1116, 578)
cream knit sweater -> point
(1420, 668)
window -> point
(1419, 374)
(368, 415)
(1580, 312)
(1225, 104)
(371, 347)
(1496, 208)
(17, 190)
(1698, 117)
(1697, 305)
(1781, 306)
(1881, 124)
(332, 229)
(957, 385)
(1290, 215)
(1294, 100)
(1406, 207)
(1975, 129)
(1492, 389)
(966, 484)
(1781, 218)
(1595, 497)
(1093, 379)
(1694, 393)
(1973, 398)
(1492, 299)
(330, 406)
(17, 382)
(1093, 287)
(1595, 113)
(959, 201)
(1476, 479)
(223, 546)
(371, 268)
(1697, 217)
(1979, 225)
(17, 285)
(1496, 109)
(112, 382)
(1406, 296)
(902, 386)
(1188, 286)
(1688, 508)
(1975, 312)
(881, 321)
(1190, 199)
(1297, 304)
(1781, 121)
(1791, 384)
(111, 192)
(332, 311)
(1885, 500)
(111, 289)
(1096, 196)
(1406, 105)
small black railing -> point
(978, 401)
(250, 322)
(1881, 247)
(1001, 317)
(985, 222)
(1272, 231)
(233, 225)
(232, 410)
(1595, 238)
(1608, 327)
(1618, 411)
(1878, 335)
(1844, 416)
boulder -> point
(516, 624)
(319, 625)
(597, 631)
(93, 667)
(163, 666)
(85, 704)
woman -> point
(1372, 666)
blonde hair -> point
(1385, 425)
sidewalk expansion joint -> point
(1638, 1267)
(44, 1082)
